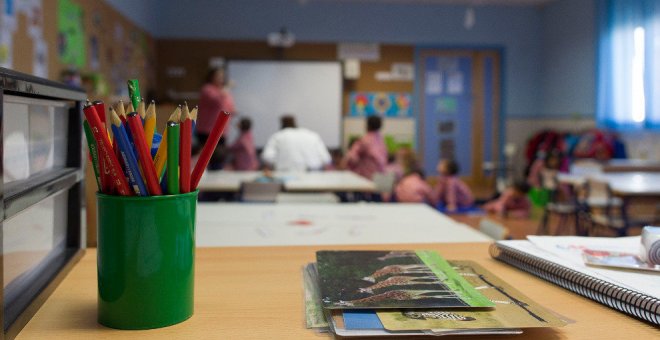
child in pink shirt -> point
(451, 194)
(512, 203)
(243, 150)
(368, 155)
(412, 188)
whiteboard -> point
(309, 90)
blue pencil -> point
(131, 168)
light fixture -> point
(470, 18)
(282, 39)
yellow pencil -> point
(150, 124)
(161, 155)
(120, 109)
(141, 110)
(193, 116)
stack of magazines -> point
(407, 293)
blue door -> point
(458, 96)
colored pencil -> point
(207, 151)
(142, 111)
(173, 158)
(130, 108)
(100, 109)
(147, 165)
(131, 168)
(150, 125)
(161, 154)
(105, 152)
(193, 117)
(105, 179)
(134, 92)
(186, 147)
(93, 152)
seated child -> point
(412, 188)
(404, 161)
(451, 194)
(513, 202)
(545, 164)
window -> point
(628, 82)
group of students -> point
(294, 148)
(298, 149)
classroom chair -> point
(384, 182)
(493, 229)
(264, 192)
(561, 207)
(609, 212)
(604, 210)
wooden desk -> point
(256, 293)
(631, 165)
(262, 224)
(316, 181)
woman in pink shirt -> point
(213, 99)
(368, 155)
(243, 151)
(451, 194)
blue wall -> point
(514, 28)
(568, 50)
(549, 52)
(141, 12)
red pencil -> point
(185, 147)
(103, 167)
(146, 163)
(209, 147)
(105, 151)
(100, 109)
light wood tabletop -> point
(313, 181)
(257, 293)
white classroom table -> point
(313, 181)
(258, 224)
(635, 184)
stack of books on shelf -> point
(408, 293)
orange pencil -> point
(147, 165)
(185, 150)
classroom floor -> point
(519, 228)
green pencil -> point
(134, 92)
(93, 152)
(172, 157)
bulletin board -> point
(45, 37)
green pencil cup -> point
(146, 260)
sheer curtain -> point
(628, 70)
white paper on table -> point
(567, 251)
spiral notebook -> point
(559, 260)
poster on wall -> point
(32, 9)
(388, 104)
(70, 34)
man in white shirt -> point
(295, 149)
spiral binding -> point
(654, 252)
(623, 299)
